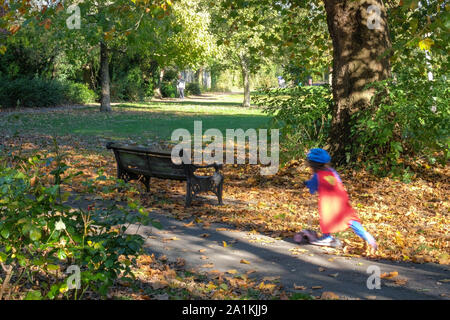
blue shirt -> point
(313, 183)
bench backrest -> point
(145, 162)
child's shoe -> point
(328, 241)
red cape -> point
(335, 211)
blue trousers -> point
(359, 230)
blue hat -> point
(318, 155)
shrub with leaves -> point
(38, 93)
(193, 88)
(410, 122)
(302, 113)
(40, 236)
(168, 90)
(78, 93)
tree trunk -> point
(157, 91)
(199, 76)
(104, 79)
(361, 41)
(246, 78)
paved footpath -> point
(296, 266)
(311, 267)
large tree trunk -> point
(104, 78)
(246, 78)
(360, 56)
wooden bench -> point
(142, 164)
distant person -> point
(281, 82)
(181, 84)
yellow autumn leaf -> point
(244, 261)
(268, 286)
(426, 44)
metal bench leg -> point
(188, 194)
(146, 182)
(219, 193)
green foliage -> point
(302, 113)
(129, 87)
(193, 88)
(168, 90)
(40, 237)
(26, 92)
(78, 93)
(170, 75)
(37, 92)
(411, 121)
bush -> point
(79, 93)
(36, 92)
(410, 121)
(193, 88)
(168, 90)
(129, 86)
(302, 114)
(40, 237)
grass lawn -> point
(137, 121)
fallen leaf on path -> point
(334, 275)
(180, 262)
(266, 286)
(316, 287)
(401, 282)
(296, 287)
(205, 235)
(328, 295)
(321, 269)
(203, 257)
(190, 224)
(244, 261)
(206, 225)
(208, 265)
(202, 250)
(232, 271)
(389, 275)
